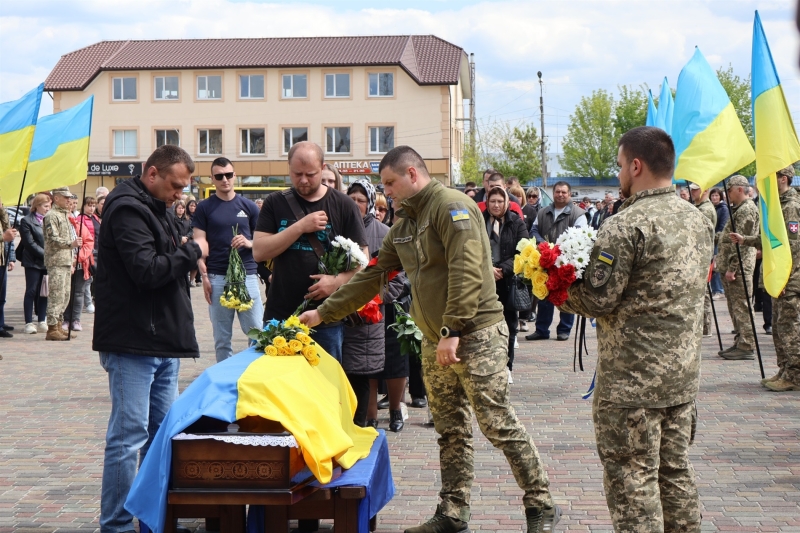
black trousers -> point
(360, 384)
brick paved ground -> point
(54, 408)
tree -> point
(520, 154)
(631, 109)
(738, 90)
(470, 166)
(590, 145)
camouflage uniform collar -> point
(61, 209)
(644, 194)
(789, 195)
(706, 201)
(412, 206)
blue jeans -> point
(544, 317)
(330, 338)
(142, 391)
(222, 317)
(716, 284)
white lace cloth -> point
(246, 440)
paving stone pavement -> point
(54, 409)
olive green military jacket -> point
(790, 206)
(645, 283)
(707, 208)
(57, 238)
(745, 215)
(441, 243)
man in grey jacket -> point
(550, 223)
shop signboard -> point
(357, 167)
(114, 168)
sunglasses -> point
(533, 196)
(225, 175)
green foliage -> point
(520, 153)
(630, 110)
(470, 167)
(408, 334)
(590, 145)
(738, 90)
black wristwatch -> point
(446, 332)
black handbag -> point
(519, 296)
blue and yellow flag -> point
(651, 110)
(710, 143)
(776, 148)
(60, 152)
(17, 123)
(665, 108)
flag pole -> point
(714, 312)
(744, 281)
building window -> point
(167, 137)
(337, 140)
(210, 142)
(125, 142)
(124, 89)
(337, 85)
(295, 86)
(253, 141)
(381, 84)
(166, 87)
(251, 86)
(291, 136)
(209, 87)
(381, 139)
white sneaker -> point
(510, 378)
(42, 327)
(89, 309)
(404, 410)
(30, 328)
(516, 343)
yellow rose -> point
(534, 257)
(279, 342)
(539, 280)
(292, 322)
(285, 350)
(529, 271)
(526, 252)
(309, 352)
(314, 361)
(295, 345)
(271, 350)
(305, 339)
(519, 263)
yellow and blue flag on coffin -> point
(710, 143)
(17, 124)
(651, 110)
(60, 152)
(665, 108)
(777, 147)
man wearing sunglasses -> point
(215, 221)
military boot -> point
(776, 377)
(542, 520)
(440, 524)
(737, 354)
(54, 333)
(781, 385)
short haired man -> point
(645, 283)
(441, 243)
(497, 180)
(744, 215)
(214, 222)
(786, 307)
(550, 223)
(59, 242)
(144, 323)
(704, 205)
(101, 191)
(283, 236)
(481, 194)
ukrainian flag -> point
(710, 143)
(17, 123)
(651, 110)
(665, 108)
(776, 148)
(60, 152)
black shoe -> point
(419, 403)
(562, 336)
(440, 524)
(372, 423)
(8, 328)
(4, 334)
(535, 336)
(396, 421)
(384, 403)
(542, 520)
(768, 330)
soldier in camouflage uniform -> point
(441, 243)
(786, 309)
(59, 240)
(744, 215)
(645, 284)
(704, 205)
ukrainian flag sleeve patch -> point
(459, 215)
(606, 258)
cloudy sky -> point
(578, 45)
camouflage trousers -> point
(739, 310)
(58, 280)
(479, 381)
(786, 334)
(648, 478)
(707, 313)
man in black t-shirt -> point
(214, 223)
(280, 236)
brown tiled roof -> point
(428, 59)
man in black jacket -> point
(144, 320)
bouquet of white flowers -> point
(344, 256)
(576, 247)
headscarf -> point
(495, 223)
(368, 190)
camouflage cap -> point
(63, 191)
(693, 186)
(787, 172)
(738, 181)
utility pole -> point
(472, 102)
(541, 115)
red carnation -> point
(548, 255)
(371, 312)
(558, 297)
(567, 273)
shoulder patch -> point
(793, 227)
(606, 258)
(601, 273)
(459, 215)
